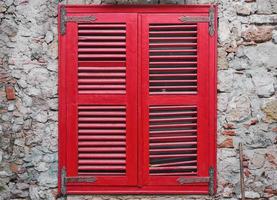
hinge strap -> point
(63, 183)
(73, 179)
(211, 20)
(79, 19)
(195, 19)
(211, 181)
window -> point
(137, 99)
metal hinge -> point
(76, 179)
(79, 19)
(209, 180)
(210, 19)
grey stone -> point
(42, 166)
(264, 7)
(49, 37)
(274, 36)
(263, 82)
(33, 191)
(252, 195)
(263, 19)
(48, 178)
(243, 10)
(239, 109)
(41, 116)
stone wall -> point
(247, 105)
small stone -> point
(10, 93)
(34, 193)
(270, 109)
(222, 59)
(14, 167)
(42, 166)
(271, 158)
(263, 81)
(49, 37)
(11, 107)
(274, 36)
(257, 161)
(258, 34)
(227, 143)
(238, 109)
(41, 116)
(1, 156)
(252, 195)
(243, 10)
(264, 7)
(229, 132)
(22, 186)
(263, 19)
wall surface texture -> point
(247, 105)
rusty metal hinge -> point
(79, 19)
(76, 179)
(210, 19)
(209, 180)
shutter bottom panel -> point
(173, 140)
(101, 140)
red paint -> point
(110, 114)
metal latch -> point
(77, 179)
(210, 19)
(64, 19)
(209, 180)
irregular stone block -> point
(270, 109)
(258, 34)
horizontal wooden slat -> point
(110, 56)
(101, 131)
(93, 26)
(174, 163)
(101, 37)
(101, 119)
(101, 44)
(102, 162)
(101, 167)
(98, 87)
(173, 150)
(101, 31)
(102, 155)
(173, 27)
(101, 137)
(101, 149)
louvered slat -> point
(101, 143)
(173, 140)
(102, 43)
(173, 58)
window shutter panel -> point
(101, 102)
(175, 102)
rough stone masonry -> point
(247, 104)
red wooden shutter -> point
(175, 103)
(136, 99)
(101, 97)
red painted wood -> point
(109, 120)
